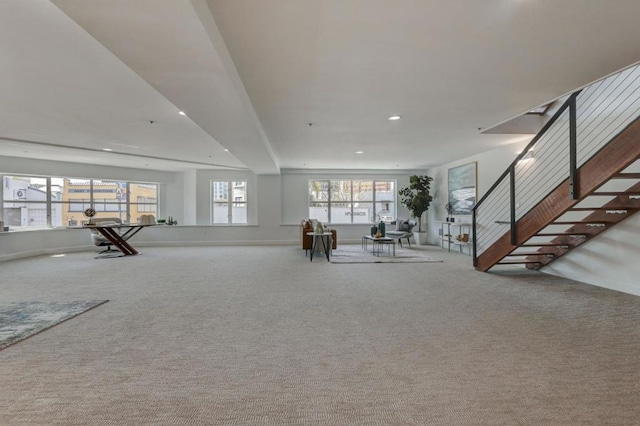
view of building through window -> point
(228, 202)
(352, 201)
(30, 201)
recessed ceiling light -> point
(359, 152)
(394, 117)
(226, 150)
(107, 149)
(182, 113)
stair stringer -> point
(614, 157)
(622, 203)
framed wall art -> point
(462, 188)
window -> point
(352, 201)
(24, 201)
(30, 201)
(228, 202)
(143, 199)
(145, 205)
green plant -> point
(416, 196)
(450, 209)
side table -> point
(325, 239)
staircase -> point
(577, 178)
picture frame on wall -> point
(462, 181)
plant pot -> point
(420, 238)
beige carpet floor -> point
(262, 336)
(355, 254)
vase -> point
(381, 228)
(374, 230)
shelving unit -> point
(448, 236)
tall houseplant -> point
(416, 197)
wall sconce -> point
(528, 156)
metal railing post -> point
(512, 196)
(573, 164)
(473, 237)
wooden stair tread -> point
(560, 234)
(581, 222)
(533, 253)
(599, 209)
(627, 176)
(546, 245)
(516, 262)
(614, 193)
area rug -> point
(355, 254)
(24, 319)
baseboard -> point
(214, 243)
(44, 252)
(60, 250)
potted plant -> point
(417, 199)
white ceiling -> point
(80, 76)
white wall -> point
(17, 165)
(16, 245)
(610, 260)
(185, 190)
(490, 165)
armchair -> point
(403, 230)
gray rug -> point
(355, 254)
(24, 319)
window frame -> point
(230, 201)
(331, 199)
(55, 202)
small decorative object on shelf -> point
(463, 237)
(449, 208)
(147, 219)
(171, 221)
(89, 212)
